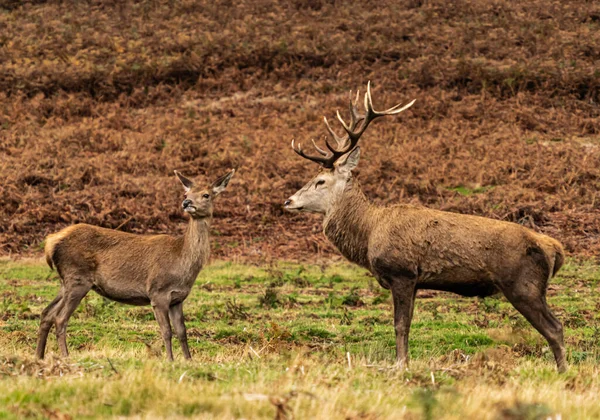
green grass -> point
(301, 340)
(466, 191)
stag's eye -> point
(205, 196)
(319, 182)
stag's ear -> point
(350, 161)
(187, 183)
(219, 185)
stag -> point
(157, 270)
(408, 247)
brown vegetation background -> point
(100, 101)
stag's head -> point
(198, 202)
(338, 161)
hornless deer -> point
(157, 270)
(409, 247)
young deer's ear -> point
(219, 185)
(350, 161)
(187, 183)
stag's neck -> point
(349, 223)
(196, 246)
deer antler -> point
(350, 140)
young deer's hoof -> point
(400, 365)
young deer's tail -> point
(51, 243)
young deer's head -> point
(198, 202)
(321, 192)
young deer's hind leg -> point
(46, 322)
(176, 315)
(530, 301)
(71, 298)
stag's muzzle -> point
(289, 205)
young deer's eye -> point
(205, 196)
(319, 182)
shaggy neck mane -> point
(348, 224)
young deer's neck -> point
(196, 246)
(348, 224)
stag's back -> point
(445, 243)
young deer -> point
(156, 270)
(409, 247)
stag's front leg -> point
(403, 296)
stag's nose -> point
(287, 203)
(186, 203)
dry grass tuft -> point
(52, 366)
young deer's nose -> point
(186, 203)
(287, 203)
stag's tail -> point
(554, 254)
(559, 257)
(547, 253)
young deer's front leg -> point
(161, 312)
(176, 315)
(403, 296)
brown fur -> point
(157, 270)
(409, 248)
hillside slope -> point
(99, 103)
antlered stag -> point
(156, 270)
(409, 247)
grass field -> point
(302, 341)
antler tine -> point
(323, 161)
(353, 106)
(341, 141)
(341, 120)
(390, 111)
(395, 110)
(369, 100)
(321, 151)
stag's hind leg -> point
(528, 296)
(46, 321)
(71, 298)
